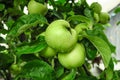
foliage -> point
(25, 43)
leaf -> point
(32, 47)
(37, 70)
(86, 78)
(118, 22)
(3, 31)
(98, 31)
(25, 22)
(2, 48)
(2, 40)
(87, 12)
(117, 10)
(91, 51)
(70, 76)
(102, 47)
(59, 70)
(81, 19)
(5, 60)
(28, 57)
(110, 75)
(2, 6)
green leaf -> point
(37, 70)
(86, 78)
(81, 19)
(28, 57)
(110, 75)
(118, 22)
(87, 12)
(2, 6)
(91, 51)
(3, 31)
(102, 47)
(59, 70)
(2, 48)
(5, 60)
(71, 75)
(2, 40)
(32, 47)
(25, 22)
(98, 31)
(117, 10)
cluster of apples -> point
(61, 39)
(99, 16)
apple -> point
(37, 8)
(15, 69)
(104, 17)
(60, 36)
(48, 52)
(74, 58)
(96, 7)
(96, 17)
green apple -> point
(48, 52)
(96, 17)
(73, 59)
(60, 36)
(15, 69)
(104, 17)
(37, 8)
(96, 7)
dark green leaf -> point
(5, 60)
(33, 47)
(37, 70)
(87, 13)
(59, 70)
(102, 47)
(86, 78)
(81, 19)
(3, 31)
(117, 10)
(2, 6)
(118, 22)
(2, 40)
(2, 48)
(71, 75)
(91, 51)
(25, 22)
(28, 57)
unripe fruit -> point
(60, 36)
(104, 17)
(96, 7)
(48, 52)
(37, 8)
(96, 17)
(73, 59)
(15, 69)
